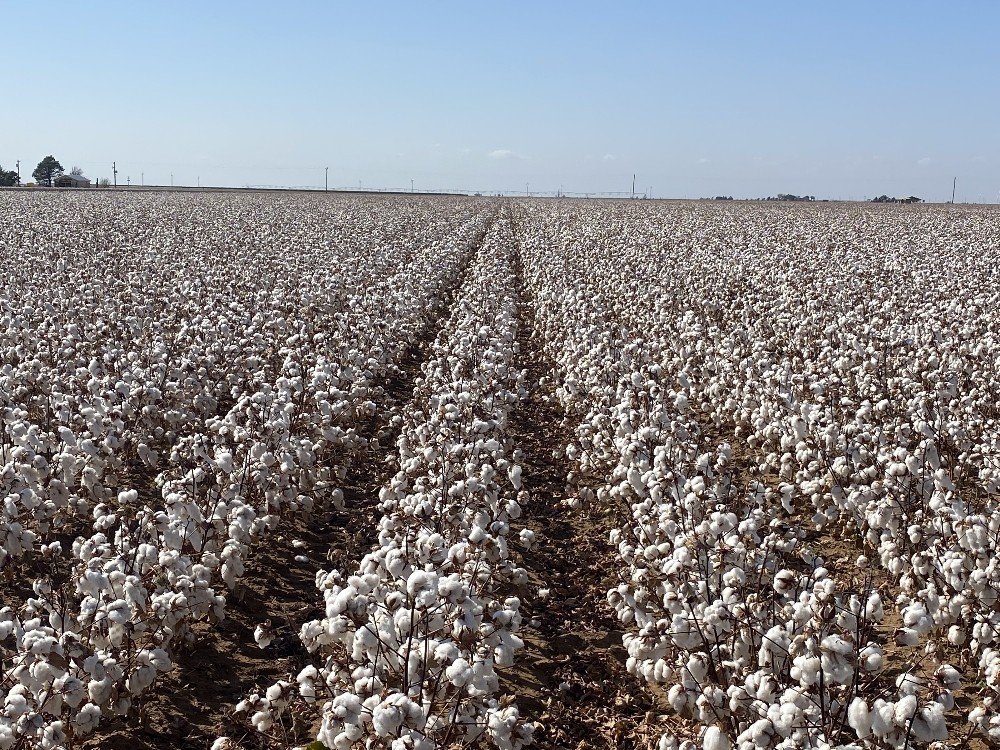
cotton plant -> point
(850, 406)
(156, 424)
(413, 640)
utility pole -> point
(326, 179)
(633, 187)
(411, 184)
(526, 193)
(142, 178)
(171, 179)
(954, 182)
(128, 181)
(114, 172)
(18, 171)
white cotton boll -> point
(677, 698)
(872, 658)
(905, 708)
(460, 673)
(977, 717)
(697, 666)
(929, 724)
(909, 684)
(859, 718)
(881, 716)
(681, 403)
(224, 462)
(514, 473)
(946, 698)
(262, 721)
(387, 719)
(957, 635)
(53, 736)
(527, 537)
(948, 676)
(715, 739)
(87, 718)
(263, 634)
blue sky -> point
(841, 100)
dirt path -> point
(571, 675)
(192, 706)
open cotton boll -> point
(715, 739)
(859, 718)
(948, 676)
(263, 634)
(459, 672)
(929, 724)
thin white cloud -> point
(504, 153)
(924, 161)
(608, 157)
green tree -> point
(8, 179)
(47, 169)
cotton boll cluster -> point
(852, 406)
(754, 396)
(412, 640)
(177, 394)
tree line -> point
(45, 173)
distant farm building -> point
(907, 199)
(72, 180)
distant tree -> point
(8, 179)
(76, 171)
(47, 169)
(104, 182)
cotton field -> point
(409, 472)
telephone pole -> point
(142, 179)
(633, 187)
(171, 179)
(114, 172)
(411, 184)
(326, 179)
(18, 171)
(954, 182)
